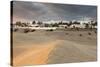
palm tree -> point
(70, 23)
(76, 22)
(60, 22)
(55, 25)
(94, 24)
(33, 22)
(18, 23)
(39, 23)
(86, 25)
(46, 25)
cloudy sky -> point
(29, 11)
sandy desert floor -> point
(53, 47)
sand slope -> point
(35, 55)
(69, 52)
(45, 47)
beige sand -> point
(46, 47)
(34, 55)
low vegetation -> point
(95, 31)
(67, 33)
(80, 34)
(26, 30)
(50, 30)
(89, 33)
(15, 30)
(33, 30)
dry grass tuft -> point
(89, 33)
(80, 34)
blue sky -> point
(29, 11)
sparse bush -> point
(32, 30)
(26, 30)
(77, 28)
(80, 34)
(86, 25)
(95, 31)
(89, 33)
(67, 33)
(15, 30)
(50, 30)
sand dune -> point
(68, 52)
(45, 47)
(35, 55)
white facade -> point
(77, 25)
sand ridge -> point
(43, 47)
(35, 56)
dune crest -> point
(35, 56)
